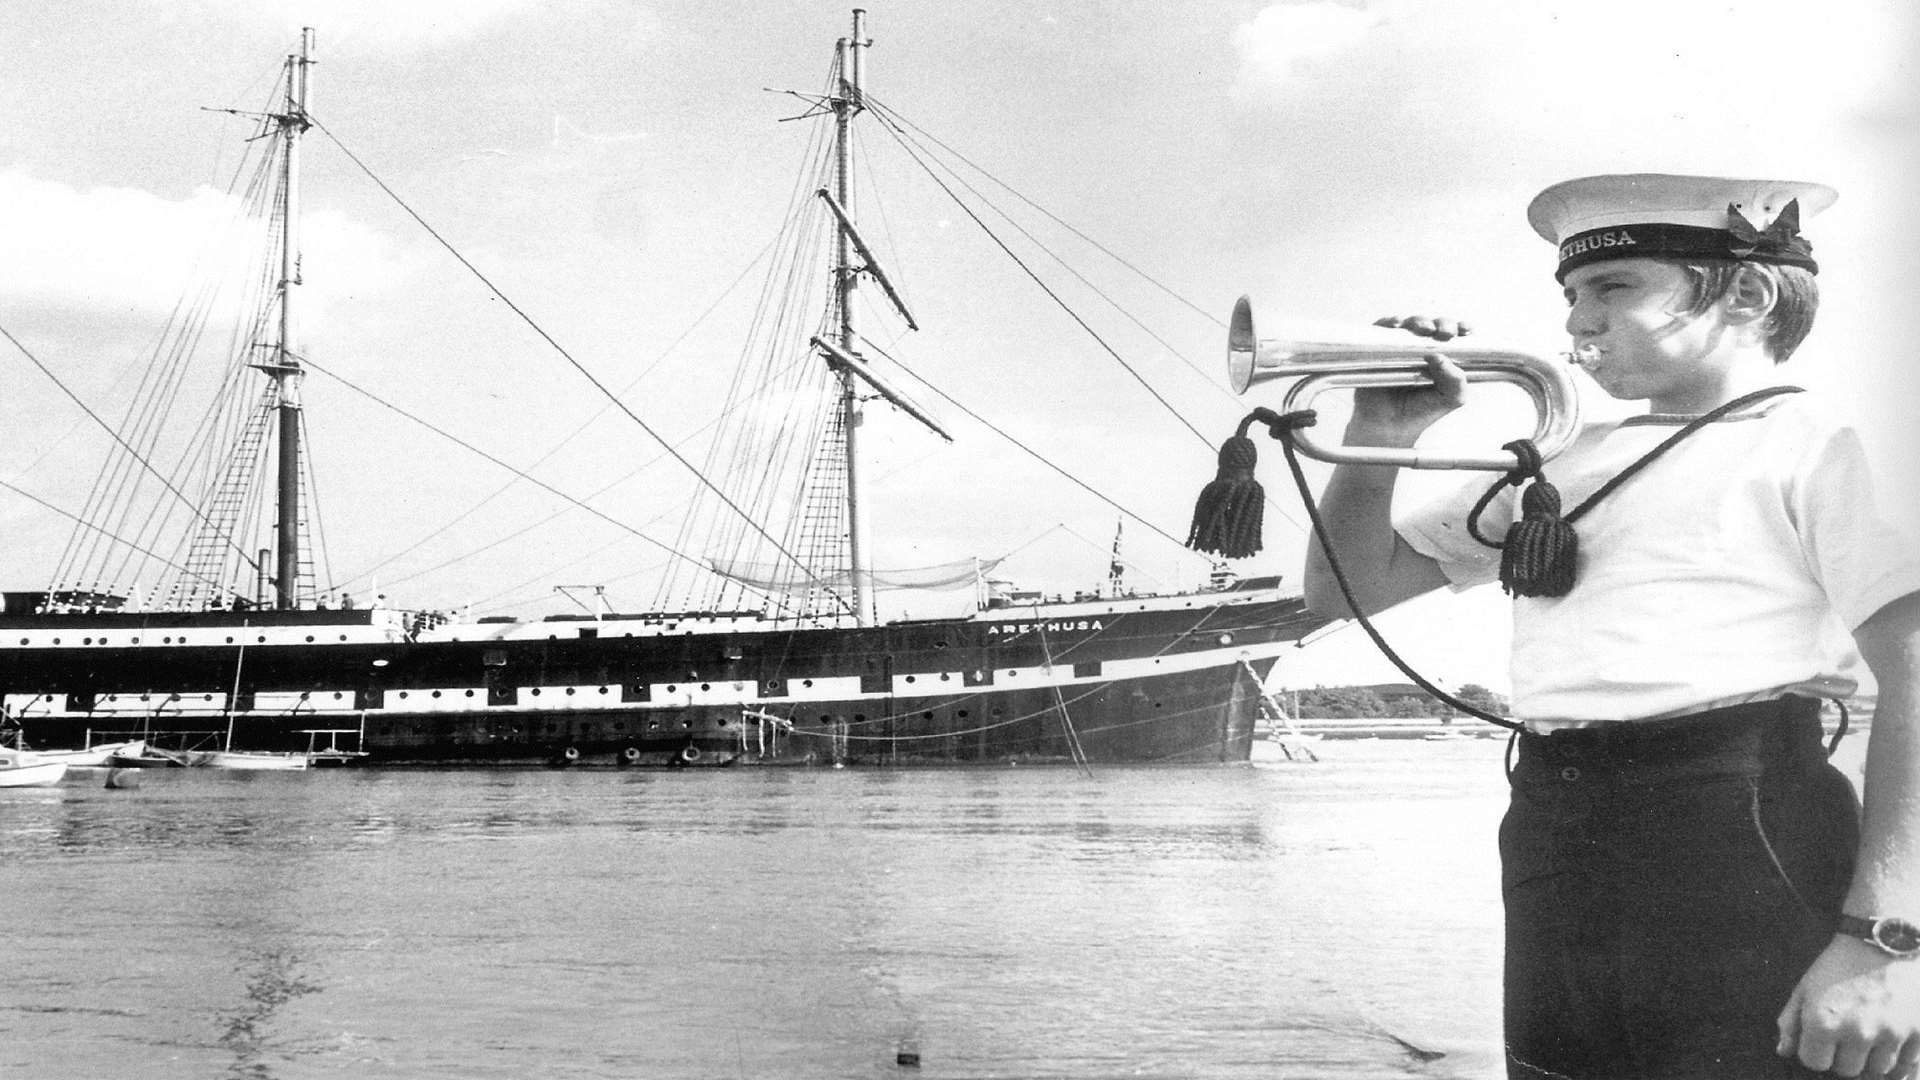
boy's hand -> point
(1397, 416)
(1437, 327)
(1855, 1013)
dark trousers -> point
(1666, 885)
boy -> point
(1691, 890)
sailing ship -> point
(241, 639)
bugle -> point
(1322, 366)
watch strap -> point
(1855, 926)
(1906, 943)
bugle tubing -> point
(1322, 366)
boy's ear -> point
(1752, 296)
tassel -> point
(1540, 551)
(1227, 516)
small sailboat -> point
(23, 768)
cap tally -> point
(1631, 215)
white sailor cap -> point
(1628, 215)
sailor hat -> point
(1635, 215)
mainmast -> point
(846, 279)
(285, 369)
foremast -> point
(285, 369)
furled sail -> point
(773, 578)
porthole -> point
(436, 693)
(569, 691)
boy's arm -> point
(1357, 504)
(1858, 1008)
(1381, 568)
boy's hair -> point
(1797, 298)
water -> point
(1277, 920)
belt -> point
(1740, 740)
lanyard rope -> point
(1538, 556)
(1540, 547)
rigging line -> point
(890, 116)
(1060, 700)
(567, 356)
(1028, 450)
(893, 114)
(118, 484)
(314, 503)
(83, 523)
(581, 429)
(1059, 301)
(522, 531)
(95, 417)
(1082, 278)
(470, 448)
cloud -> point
(1284, 36)
(123, 249)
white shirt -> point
(1732, 568)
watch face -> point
(1897, 935)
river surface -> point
(1331, 919)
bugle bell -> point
(1322, 366)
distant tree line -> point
(1393, 701)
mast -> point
(285, 369)
(846, 278)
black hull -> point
(1160, 680)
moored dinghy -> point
(20, 768)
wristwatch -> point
(1895, 937)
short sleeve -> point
(1438, 530)
(1860, 557)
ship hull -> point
(1156, 680)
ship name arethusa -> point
(1059, 627)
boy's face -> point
(1634, 312)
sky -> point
(615, 168)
